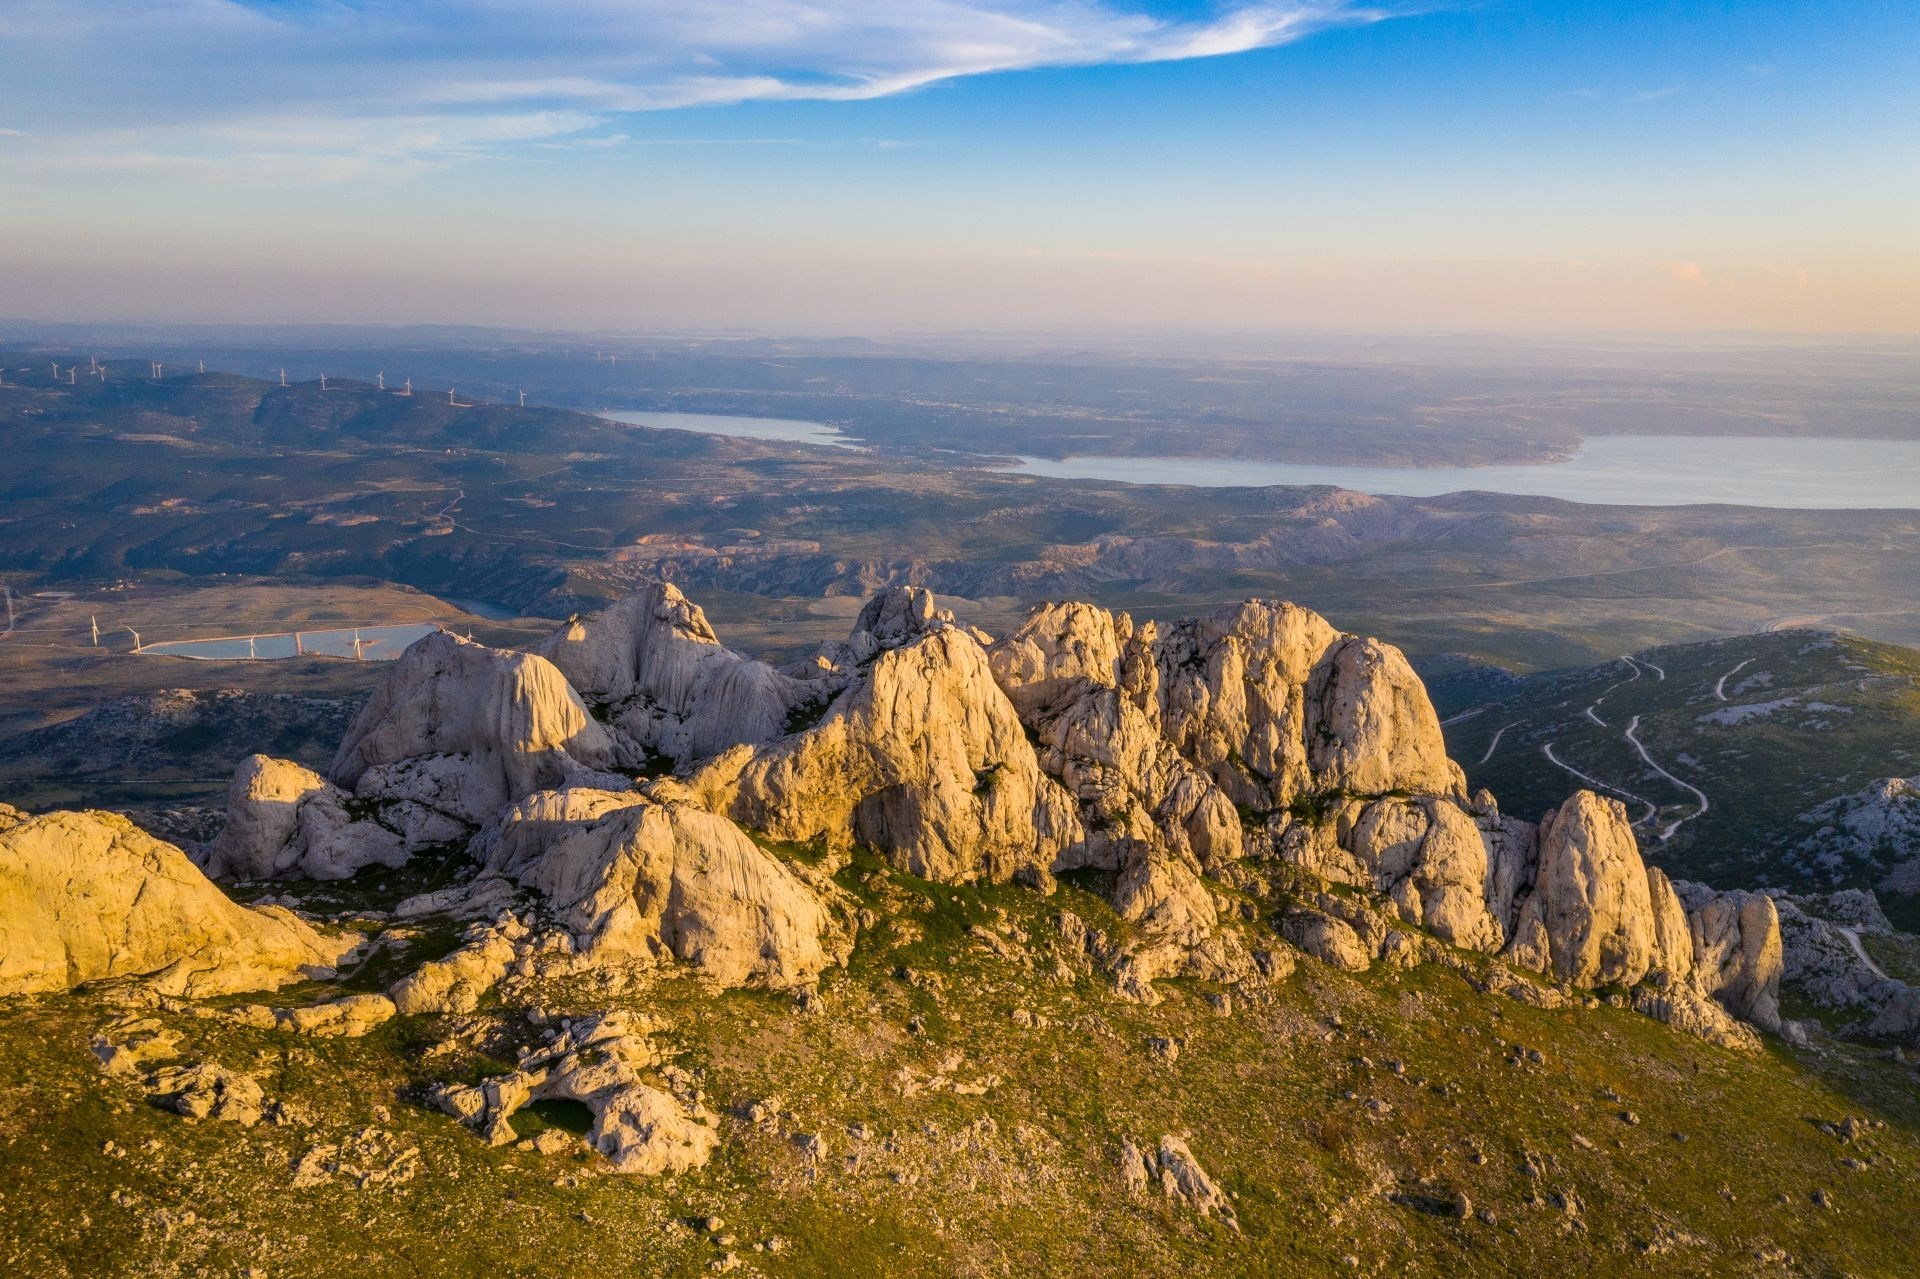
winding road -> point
(1494, 745)
(1720, 689)
(1653, 810)
(1853, 939)
(1705, 803)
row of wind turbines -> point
(156, 371)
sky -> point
(879, 166)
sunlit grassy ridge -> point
(1343, 1113)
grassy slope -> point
(1758, 774)
(937, 1189)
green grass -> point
(1021, 1179)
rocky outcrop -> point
(1876, 829)
(1275, 705)
(457, 983)
(1081, 680)
(1588, 919)
(89, 895)
(1182, 1178)
(598, 1062)
(463, 729)
(922, 757)
(1737, 953)
(650, 881)
(653, 661)
(285, 821)
(207, 1091)
(1430, 858)
(1597, 915)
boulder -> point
(288, 822)
(922, 757)
(207, 1091)
(463, 729)
(597, 1062)
(655, 663)
(89, 895)
(1182, 1178)
(1589, 917)
(669, 881)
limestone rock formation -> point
(1275, 704)
(285, 821)
(598, 1062)
(1080, 679)
(89, 895)
(923, 758)
(1737, 952)
(348, 1017)
(1431, 858)
(655, 663)
(456, 983)
(1327, 938)
(207, 1091)
(1589, 918)
(635, 879)
(464, 729)
(1182, 1178)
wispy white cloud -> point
(404, 84)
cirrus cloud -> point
(261, 85)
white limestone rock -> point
(288, 822)
(1589, 917)
(348, 1017)
(1080, 679)
(651, 881)
(87, 895)
(1737, 952)
(1275, 704)
(1431, 858)
(923, 758)
(666, 680)
(456, 983)
(463, 729)
(1182, 1178)
(598, 1062)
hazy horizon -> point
(845, 166)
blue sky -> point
(861, 165)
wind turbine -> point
(250, 648)
(136, 637)
(409, 391)
(283, 377)
(359, 646)
(381, 378)
(523, 397)
(203, 366)
(450, 398)
(323, 381)
(95, 622)
(73, 376)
